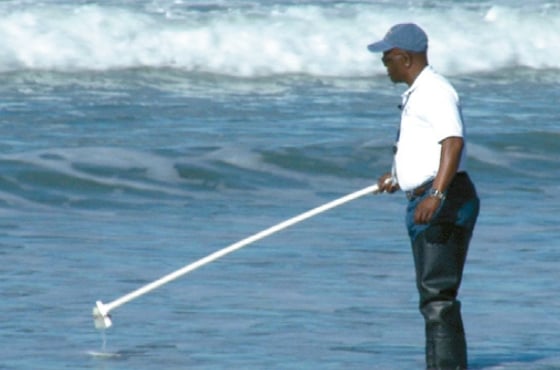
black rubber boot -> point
(439, 256)
(446, 348)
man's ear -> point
(407, 59)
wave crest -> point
(325, 40)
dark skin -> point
(404, 66)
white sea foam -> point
(318, 38)
(101, 354)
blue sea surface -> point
(137, 137)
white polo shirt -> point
(431, 112)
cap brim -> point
(380, 46)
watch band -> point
(437, 194)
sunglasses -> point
(386, 59)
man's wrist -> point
(435, 193)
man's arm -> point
(451, 149)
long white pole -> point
(101, 311)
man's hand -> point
(386, 184)
(426, 210)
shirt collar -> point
(417, 81)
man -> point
(429, 166)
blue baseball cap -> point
(405, 36)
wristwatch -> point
(437, 194)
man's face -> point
(394, 61)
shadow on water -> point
(524, 361)
(126, 354)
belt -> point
(419, 191)
(422, 189)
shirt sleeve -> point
(442, 110)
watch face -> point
(437, 194)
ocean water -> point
(139, 136)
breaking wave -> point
(249, 39)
